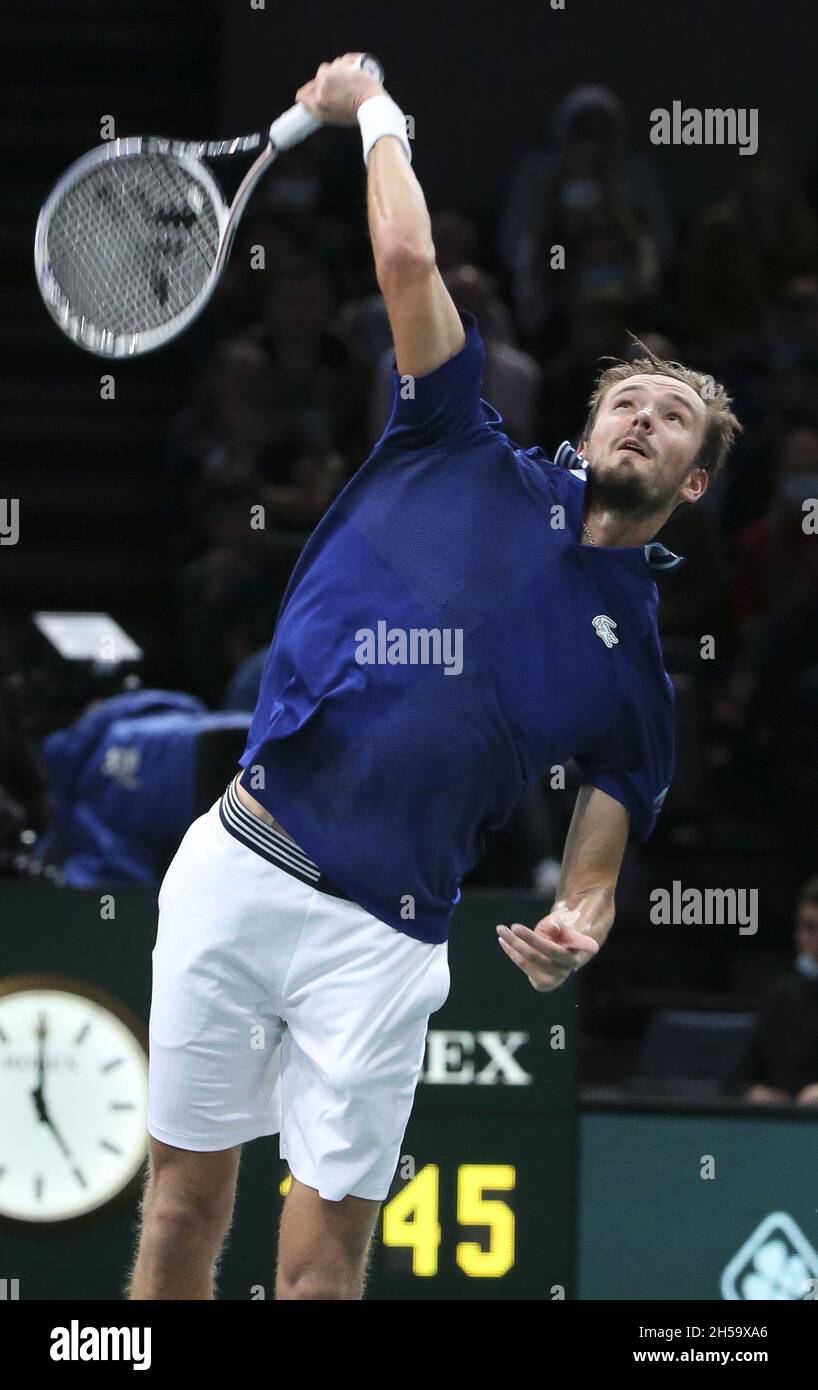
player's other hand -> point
(549, 953)
(337, 90)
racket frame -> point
(77, 327)
(287, 130)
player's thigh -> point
(322, 1239)
(187, 1180)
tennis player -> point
(466, 615)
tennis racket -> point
(132, 240)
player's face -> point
(646, 437)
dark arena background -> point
(647, 1132)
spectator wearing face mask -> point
(776, 556)
(779, 1061)
(587, 184)
(766, 712)
(786, 395)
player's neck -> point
(604, 526)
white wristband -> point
(380, 115)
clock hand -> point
(38, 1094)
(39, 1103)
(40, 1033)
(44, 1117)
(51, 1125)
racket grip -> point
(297, 123)
(293, 127)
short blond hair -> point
(721, 425)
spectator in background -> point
(776, 560)
(311, 370)
(696, 601)
(241, 695)
(792, 319)
(768, 709)
(232, 435)
(302, 476)
(779, 1062)
(511, 379)
(604, 249)
(230, 594)
(772, 376)
(745, 247)
(265, 237)
(795, 387)
(766, 722)
(792, 402)
(296, 184)
(456, 240)
(588, 174)
(220, 437)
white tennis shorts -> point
(278, 1008)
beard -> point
(625, 492)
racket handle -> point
(297, 123)
(293, 127)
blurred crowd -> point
(586, 250)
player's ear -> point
(696, 486)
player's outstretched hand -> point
(549, 953)
(337, 90)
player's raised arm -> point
(583, 912)
(426, 327)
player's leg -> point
(186, 1210)
(324, 1247)
(228, 923)
(357, 1001)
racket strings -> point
(132, 244)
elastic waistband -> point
(276, 848)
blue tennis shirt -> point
(444, 641)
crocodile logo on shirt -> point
(604, 628)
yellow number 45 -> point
(411, 1219)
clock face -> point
(73, 1101)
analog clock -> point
(73, 1098)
